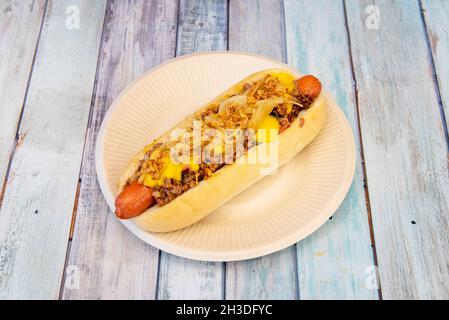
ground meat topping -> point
(172, 188)
(280, 111)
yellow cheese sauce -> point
(268, 123)
(171, 170)
(287, 80)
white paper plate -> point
(271, 215)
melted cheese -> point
(171, 170)
(268, 123)
(286, 79)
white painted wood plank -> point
(405, 150)
(202, 27)
(436, 14)
(20, 23)
(113, 263)
(333, 260)
(189, 279)
(260, 29)
(37, 207)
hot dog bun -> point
(196, 203)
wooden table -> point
(62, 63)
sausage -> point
(133, 200)
(309, 85)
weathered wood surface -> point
(257, 28)
(181, 278)
(394, 73)
(20, 24)
(202, 26)
(37, 207)
(333, 260)
(273, 276)
(113, 263)
(404, 147)
(436, 13)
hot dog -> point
(161, 193)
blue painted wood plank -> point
(404, 146)
(260, 29)
(112, 262)
(20, 23)
(436, 14)
(333, 261)
(37, 207)
(202, 27)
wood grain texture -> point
(20, 23)
(405, 150)
(333, 260)
(269, 277)
(36, 212)
(182, 278)
(273, 276)
(436, 13)
(113, 263)
(257, 28)
(202, 27)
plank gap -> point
(178, 12)
(362, 155)
(296, 265)
(63, 278)
(434, 72)
(283, 35)
(228, 10)
(224, 266)
(158, 275)
(75, 207)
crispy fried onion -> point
(242, 111)
(262, 109)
